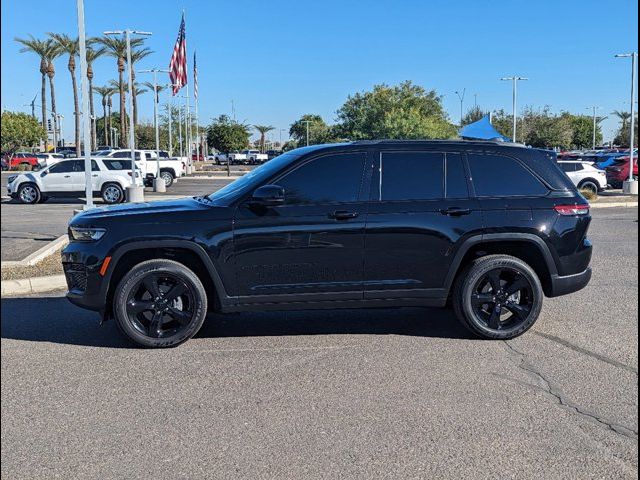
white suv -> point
(109, 176)
(585, 176)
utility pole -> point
(515, 80)
(158, 183)
(307, 122)
(631, 186)
(461, 97)
(595, 124)
(86, 120)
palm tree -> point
(42, 48)
(624, 118)
(92, 55)
(105, 93)
(263, 129)
(117, 48)
(54, 53)
(137, 55)
(71, 46)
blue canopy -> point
(482, 130)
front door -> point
(420, 213)
(63, 177)
(311, 245)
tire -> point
(482, 301)
(112, 193)
(167, 177)
(164, 320)
(43, 198)
(29, 193)
(589, 185)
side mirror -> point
(268, 196)
(44, 174)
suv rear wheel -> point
(498, 297)
(160, 303)
(589, 185)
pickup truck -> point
(254, 157)
(25, 160)
(236, 158)
(148, 168)
(171, 168)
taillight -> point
(570, 210)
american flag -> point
(195, 77)
(178, 64)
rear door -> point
(420, 213)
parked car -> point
(618, 173)
(221, 158)
(236, 158)
(67, 152)
(4, 164)
(585, 176)
(149, 169)
(254, 157)
(110, 178)
(197, 158)
(271, 154)
(170, 168)
(25, 160)
(364, 224)
(48, 159)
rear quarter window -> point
(117, 164)
(501, 176)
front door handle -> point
(455, 211)
(343, 215)
(67, 176)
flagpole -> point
(180, 129)
(188, 132)
(170, 108)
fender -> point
(119, 252)
(499, 237)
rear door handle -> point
(343, 215)
(455, 211)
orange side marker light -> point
(105, 265)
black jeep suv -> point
(488, 228)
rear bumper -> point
(570, 283)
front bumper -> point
(564, 285)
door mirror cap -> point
(268, 195)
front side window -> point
(328, 179)
(412, 176)
(62, 167)
(501, 176)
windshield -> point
(253, 179)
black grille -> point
(76, 274)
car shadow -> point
(55, 320)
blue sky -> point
(280, 59)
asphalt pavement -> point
(401, 393)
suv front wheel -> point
(160, 303)
(498, 297)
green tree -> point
(319, 131)
(473, 115)
(137, 54)
(19, 130)
(582, 126)
(71, 46)
(112, 121)
(226, 135)
(403, 111)
(263, 130)
(92, 55)
(622, 137)
(104, 92)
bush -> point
(589, 194)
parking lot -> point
(402, 393)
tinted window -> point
(412, 176)
(579, 167)
(126, 154)
(117, 164)
(62, 167)
(499, 176)
(456, 186)
(329, 179)
(568, 167)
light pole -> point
(595, 123)
(461, 98)
(307, 122)
(515, 80)
(631, 185)
(281, 145)
(134, 192)
(158, 183)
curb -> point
(39, 254)
(614, 204)
(33, 285)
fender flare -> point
(538, 242)
(190, 245)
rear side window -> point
(568, 167)
(329, 179)
(412, 176)
(117, 164)
(500, 176)
(126, 154)
(456, 177)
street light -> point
(515, 80)
(158, 183)
(135, 193)
(631, 186)
(307, 122)
(461, 97)
(595, 123)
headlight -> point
(86, 234)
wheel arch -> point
(518, 245)
(590, 179)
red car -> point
(618, 173)
(23, 158)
